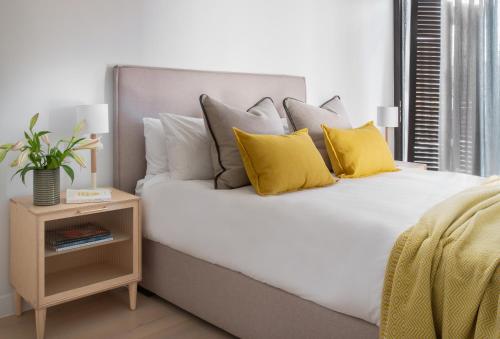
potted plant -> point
(37, 154)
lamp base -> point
(93, 164)
(93, 179)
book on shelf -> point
(73, 236)
(83, 243)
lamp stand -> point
(93, 164)
(386, 133)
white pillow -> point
(188, 147)
(286, 126)
(156, 146)
(157, 150)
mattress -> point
(327, 245)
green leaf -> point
(48, 160)
(52, 163)
(75, 142)
(36, 143)
(23, 171)
(69, 172)
(17, 172)
(33, 121)
(43, 133)
(27, 136)
(3, 153)
(32, 157)
(6, 146)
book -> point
(82, 244)
(72, 233)
(83, 241)
(87, 195)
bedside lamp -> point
(387, 117)
(96, 122)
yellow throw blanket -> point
(443, 277)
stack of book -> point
(74, 236)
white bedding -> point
(328, 245)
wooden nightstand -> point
(44, 277)
(414, 165)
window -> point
(425, 58)
(446, 58)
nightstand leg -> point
(18, 302)
(132, 294)
(40, 315)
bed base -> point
(238, 304)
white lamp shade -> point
(387, 116)
(95, 116)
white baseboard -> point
(6, 305)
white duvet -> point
(328, 245)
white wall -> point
(55, 54)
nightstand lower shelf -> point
(117, 237)
(77, 277)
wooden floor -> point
(107, 316)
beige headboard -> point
(146, 91)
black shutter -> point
(425, 60)
(398, 74)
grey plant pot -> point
(46, 185)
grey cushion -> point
(262, 118)
(331, 113)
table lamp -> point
(387, 117)
(96, 122)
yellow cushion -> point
(282, 163)
(358, 152)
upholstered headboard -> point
(146, 91)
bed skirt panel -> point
(241, 305)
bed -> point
(308, 264)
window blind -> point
(425, 59)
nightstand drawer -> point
(85, 210)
